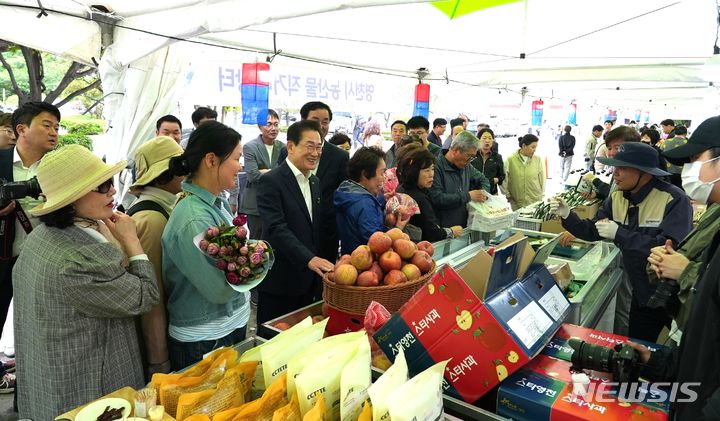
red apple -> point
(346, 275)
(411, 271)
(361, 257)
(423, 261)
(405, 248)
(395, 277)
(395, 234)
(368, 278)
(427, 247)
(406, 236)
(282, 326)
(389, 261)
(390, 220)
(378, 270)
(345, 258)
(379, 242)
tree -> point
(27, 77)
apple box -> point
(542, 390)
(558, 346)
(485, 339)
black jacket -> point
(492, 168)
(698, 357)
(426, 219)
(7, 223)
(287, 226)
(331, 171)
(567, 145)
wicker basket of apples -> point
(390, 269)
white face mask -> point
(695, 188)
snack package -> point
(297, 363)
(198, 417)
(253, 354)
(318, 411)
(366, 414)
(376, 316)
(380, 391)
(289, 412)
(355, 379)
(275, 355)
(323, 375)
(195, 371)
(264, 408)
(232, 391)
(419, 399)
(170, 391)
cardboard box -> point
(587, 211)
(553, 226)
(542, 390)
(485, 339)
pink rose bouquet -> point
(244, 261)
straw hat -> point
(152, 159)
(67, 174)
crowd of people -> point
(132, 295)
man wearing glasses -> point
(261, 155)
(456, 183)
(35, 126)
(420, 126)
(7, 134)
(331, 170)
(288, 199)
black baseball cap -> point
(635, 155)
(706, 136)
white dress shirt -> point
(23, 173)
(304, 183)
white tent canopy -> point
(576, 50)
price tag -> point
(530, 324)
(554, 303)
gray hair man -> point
(456, 183)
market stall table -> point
(127, 393)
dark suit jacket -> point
(7, 223)
(287, 226)
(332, 171)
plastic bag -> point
(232, 391)
(318, 411)
(263, 409)
(409, 205)
(492, 214)
(323, 375)
(275, 355)
(298, 363)
(355, 379)
(289, 412)
(170, 391)
(391, 181)
(376, 316)
(366, 414)
(421, 398)
(392, 379)
(253, 354)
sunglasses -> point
(104, 187)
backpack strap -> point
(147, 205)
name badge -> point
(651, 223)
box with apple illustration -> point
(543, 390)
(486, 339)
(558, 347)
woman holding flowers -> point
(204, 312)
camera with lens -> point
(665, 296)
(622, 360)
(10, 191)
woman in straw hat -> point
(156, 190)
(204, 311)
(80, 278)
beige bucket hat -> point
(152, 159)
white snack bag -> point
(253, 354)
(275, 355)
(380, 391)
(421, 398)
(297, 363)
(322, 376)
(355, 379)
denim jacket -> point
(196, 291)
